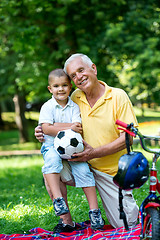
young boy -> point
(60, 113)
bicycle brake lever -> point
(127, 131)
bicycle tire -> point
(151, 228)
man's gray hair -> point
(84, 58)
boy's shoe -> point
(97, 221)
(60, 206)
(61, 227)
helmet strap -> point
(122, 214)
(127, 142)
(121, 211)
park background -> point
(122, 37)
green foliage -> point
(133, 41)
(122, 38)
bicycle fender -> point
(152, 204)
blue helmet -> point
(133, 171)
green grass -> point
(149, 124)
(24, 201)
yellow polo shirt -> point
(99, 126)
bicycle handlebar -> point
(130, 129)
(122, 124)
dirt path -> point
(20, 153)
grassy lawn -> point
(24, 202)
(149, 124)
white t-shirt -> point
(51, 112)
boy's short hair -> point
(57, 73)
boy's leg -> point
(97, 221)
(53, 180)
(51, 170)
(84, 179)
(109, 194)
(66, 178)
(91, 196)
(59, 204)
(67, 219)
(65, 223)
(47, 187)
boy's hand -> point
(77, 127)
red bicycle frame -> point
(151, 201)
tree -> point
(120, 36)
(134, 42)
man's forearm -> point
(111, 148)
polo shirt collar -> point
(107, 94)
(69, 103)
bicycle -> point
(149, 212)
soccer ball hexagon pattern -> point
(68, 142)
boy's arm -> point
(53, 129)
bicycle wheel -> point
(151, 228)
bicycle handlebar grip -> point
(122, 124)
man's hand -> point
(39, 134)
(77, 127)
(86, 155)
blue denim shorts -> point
(53, 163)
(82, 175)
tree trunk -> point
(1, 120)
(19, 103)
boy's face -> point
(60, 88)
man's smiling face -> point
(81, 74)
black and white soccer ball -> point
(68, 142)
